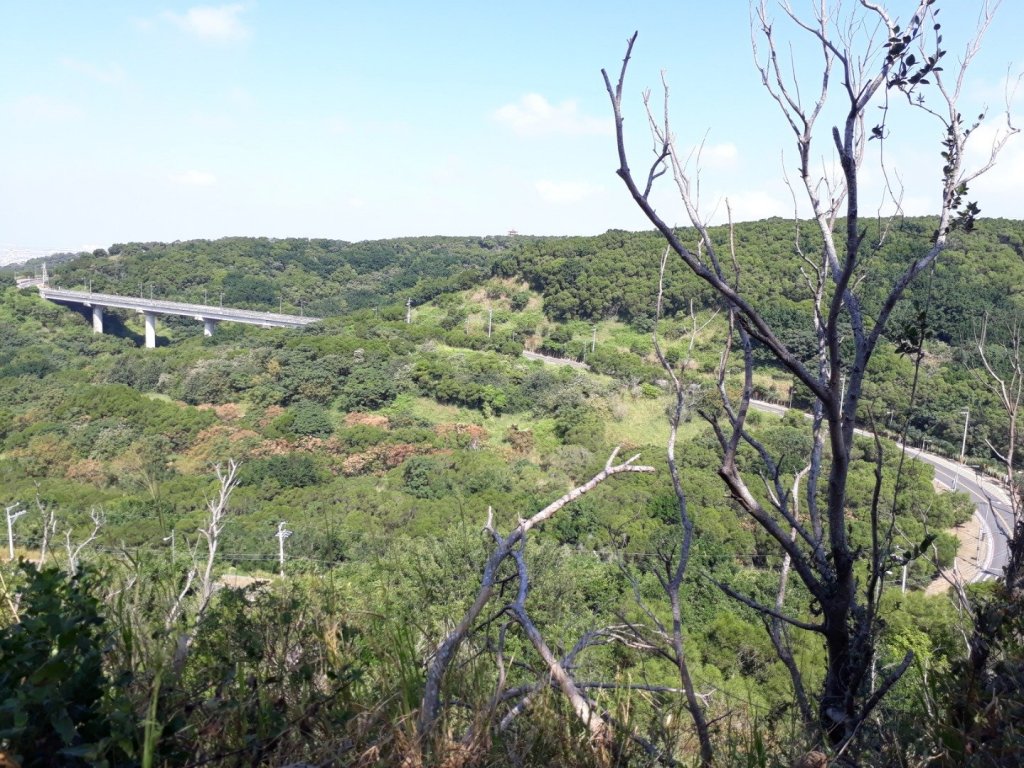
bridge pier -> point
(150, 330)
(208, 326)
(97, 318)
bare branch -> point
(767, 611)
(74, 552)
(503, 549)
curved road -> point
(993, 509)
(991, 502)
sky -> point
(135, 120)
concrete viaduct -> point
(150, 308)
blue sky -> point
(162, 121)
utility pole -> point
(282, 534)
(490, 315)
(963, 448)
(593, 339)
(408, 311)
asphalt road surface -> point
(992, 506)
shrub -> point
(293, 470)
(425, 478)
(57, 704)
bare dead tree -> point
(672, 565)
(74, 551)
(506, 548)
(863, 69)
(179, 602)
(49, 529)
(778, 630)
(227, 479)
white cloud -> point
(751, 206)
(717, 156)
(561, 192)
(109, 75)
(533, 115)
(987, 136)
(193, 178)
(37, 107)
(1000, 190)
(218, 23)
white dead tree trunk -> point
(74, 551)
(227, 479)
(49, 529)
(672, 565)
(862, 71)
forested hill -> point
(605, 276)
(377, 442)
(571, 283)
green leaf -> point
(61, 722)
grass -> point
(434, 412)
(643, 421)
(629, 421)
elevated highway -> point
(208, 315)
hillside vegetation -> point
(382, 440)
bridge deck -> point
(158, 306)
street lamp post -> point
(963, 448)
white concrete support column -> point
(97, 318)
(208, 327)
(150, 330)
